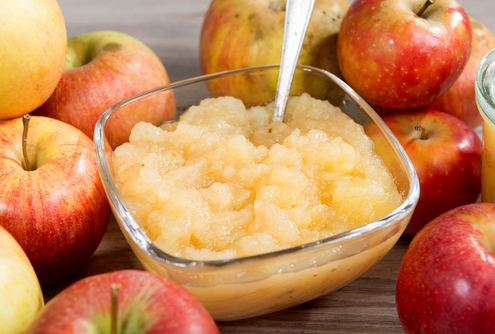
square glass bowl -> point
(256, 285)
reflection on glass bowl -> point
(256, 285)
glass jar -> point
(485, 99)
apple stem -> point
(427, 4)
(423, 131)
(25, 125)
(115, 303)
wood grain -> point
(171, 29)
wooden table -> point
(171, 29)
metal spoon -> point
(297, 16)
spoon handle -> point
(297, 16)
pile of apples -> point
(53, 207)
(414, 62)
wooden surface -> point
(171, 29)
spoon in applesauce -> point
(297, 17)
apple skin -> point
(446, 280)
(239, 34)
(147, 303)
(20, 289)
(460, 99)
(447, 161)
(101, 69)
(397, 60)
(57, 210)
(30, 73)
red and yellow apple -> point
(446, 153)
(239, 34)
(34, 41)
(133, 301)
(446, 281)
(21, 296)
(101, 69)
(460, 99)
(51, 198)
(399, 60)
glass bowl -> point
(256, 285)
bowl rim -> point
(149, 248)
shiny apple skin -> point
(147, 304)
(446, 281)
(397, 60)
(58, 210)
(447, 161)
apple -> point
(34, 41)
(133, 301)
(238, 34)
(446, 281)
(101, 69)
(446, 153)
(20, 289)
(460, 99)
(52, 199)
(399, 60)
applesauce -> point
(226, 182)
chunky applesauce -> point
(225, 181)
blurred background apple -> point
(238, 34)
(460, 99)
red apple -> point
(101, 69)
(237, 34)
(21, 296)
(33, 43)
(446, 153)
(460, 99)
(144, 303)
(446, 281)
(55, 204)
(398, 60)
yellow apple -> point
(20, 293)
(239, 34)
(33, 41)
